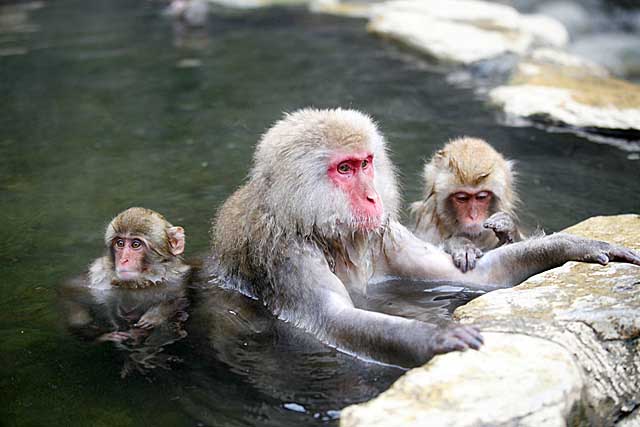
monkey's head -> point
(326, 171)
(139, 240)
(469, 181)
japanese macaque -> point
(135, 295)
(469, 201)
(143, 249)
(317, 221)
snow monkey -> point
(144, 251)
(469, 201)
(317, 221)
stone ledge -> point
(561, 349)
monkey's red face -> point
(129, 257)
(353, 174)
(472, 209)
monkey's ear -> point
(176, 240)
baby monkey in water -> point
(143, 249)
(469, 201)
(134, 295)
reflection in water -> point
(122, 316)
(252, 368)
(429, 302)
(239, 364)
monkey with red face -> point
(135, 295)
(317, 221)
(469, 201)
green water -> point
(101, 108)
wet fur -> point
(463, 162)
(260, 223)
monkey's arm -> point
(315, 299)
(506, 266)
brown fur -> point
(463, 162)
(151, 227)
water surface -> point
(106, 105)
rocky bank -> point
(563, 348)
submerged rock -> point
(563, 350)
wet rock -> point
(446, 391)
(632, 420)
(463, 31)
(559, 90)
(253, 4)
(563, 350)
(573, 15)
(351, 9)
(619, 52)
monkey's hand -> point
(503, 226)
(464, 252)
(117, 337)
(152, 318)
(598, 252)
(456, 338)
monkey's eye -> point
(119, 243)
(344, 168)
(136, 244)
(461, 197)
(483, 195)
(364, 164)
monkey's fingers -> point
(457, 338)
(144, 324)
(620, 254)
(459, 260)
(502, 225)
(473, 254)
(470, 335)
(116, 336)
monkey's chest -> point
(355, 276)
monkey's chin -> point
(368, 223)
(472, 230)
(128, 275)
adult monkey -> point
(469, 201)
(317, 221)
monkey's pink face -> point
(472, 209)
(353, 174)
(129, 257)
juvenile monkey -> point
(317, 220)
(469, 201)
(134, 295)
